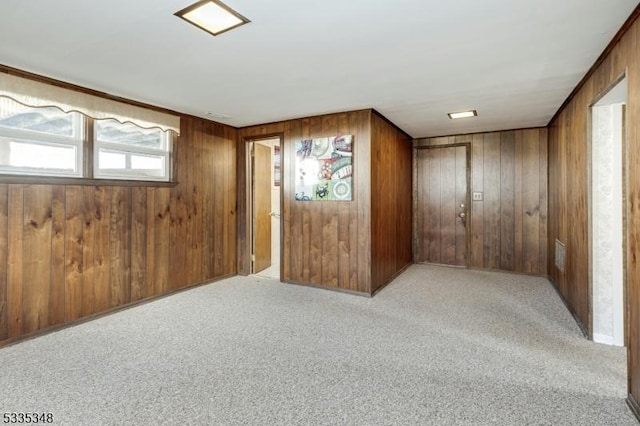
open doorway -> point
(607, 216)
(266, 184)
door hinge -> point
(253, 257)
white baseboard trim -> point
(604, 339)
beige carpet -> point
(438, 346)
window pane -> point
(129, 134)
(32, 155)
(124, 164)
(50, 121)
(150, 166)
(112, 160)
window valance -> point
(36, 94)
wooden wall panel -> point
(102, 248)
(345, 246)
(70, 251)
(74, 220)
(391, 201)
(509, 226)
(120, 240)
(316, 219)
(4, 215)
(164, 249)
(568, 188)
(476, 255)
(15, 258)
(508, 200)
(327, 243)
(632, 47)
(57, 296)
(491, 203)
(138, 243)
(330, 257)
(37, 257)
(88, 249)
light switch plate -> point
(477, 196)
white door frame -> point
(607, 215)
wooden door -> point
(261, 207)
(442, 205)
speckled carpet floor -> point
(438, 346)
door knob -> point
(462, 215)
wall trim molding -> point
(585, 330)
(392, 278)
(603, 339)
(244, 219)
(322, 287)
(481, 133)
(81, 181)
(634, 406)
(59, 327)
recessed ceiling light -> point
(462, 114)
(212, 16)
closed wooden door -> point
(261, 207)
(442, 205)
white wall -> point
(607, 226)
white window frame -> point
(128, 151)
(45, 139)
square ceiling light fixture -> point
(463, 114)
(212, 16)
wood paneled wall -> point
(509, 226)
(391, 205)
(68, 252)
(569, 179)
(326, 243)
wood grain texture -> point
(138, 244)
(316, 219)
(102, 250)
(74, 243)
(70, 251)
(507, 200)
(441, 191)
(262, 206)
(330, 257)
(88, 258)
(4, 222)
(391, 203)
(343, 235)
(120, 240)
(37, 257)
(328, 243)
(492, 204)
(509, 225)
(15, 256)
(568, 183)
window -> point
(130, 152)
(49, 142)
(40, 141)
(50, 130)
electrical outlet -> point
(477, 196)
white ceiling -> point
(515, 61)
